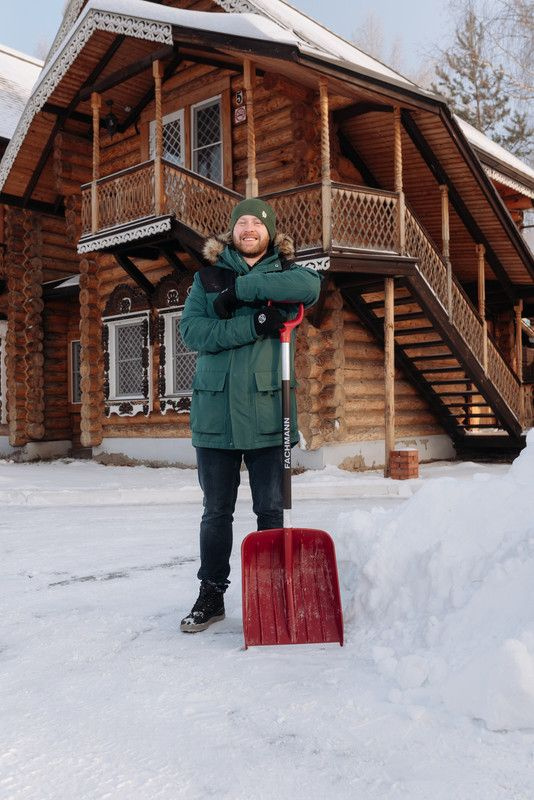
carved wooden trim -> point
(32, 282)
(16, 327)
(91, 357)
(126, 299)
(171, 291)
(170, 295)
(127, 407)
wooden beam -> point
(349, 151)
(149, 95)
(326, 179)
(134, 273)
(445, 239)
(249, 82)
(126, 73)
(32, 205)
(61, 119)
(96, 102)
(435, 166)
(157, 72)
(399, 187)
(389, 372)
(358, 109)
(60, 111)
(174, 259)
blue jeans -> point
(218, 475)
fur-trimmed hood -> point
(214, 246)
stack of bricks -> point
(404, 464)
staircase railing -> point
(462, 316)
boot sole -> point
(196, 628)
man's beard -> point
(250, 251)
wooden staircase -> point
(472, 391)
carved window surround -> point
(169, 299)
(127, 306)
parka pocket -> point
(208, 406)
(268, 402)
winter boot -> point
(208, 608)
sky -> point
(33, 24)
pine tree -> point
(476, 89)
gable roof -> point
(18, 74)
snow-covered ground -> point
(101, 696)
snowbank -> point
(444, 599)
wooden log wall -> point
(320, 365)
(287, 128)
(56, 324)
(92, 367)
(32, 281)
(364, 391)
(72, 163)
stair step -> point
(407, 317)
(411, 331)
(466, 393)
(428, 370)
(467, 405)
(435, 357)
(477, 416)
(450, 381)
(435, 343)
(478, 427)
(398, 301)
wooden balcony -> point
(322, 219)
(356, 217)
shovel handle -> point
(285, 333)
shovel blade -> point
(291, 599)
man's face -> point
(250, 236)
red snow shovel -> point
(290, 582)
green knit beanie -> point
(256, 208)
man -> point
(236, 406)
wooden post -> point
(481, 251)
(96, 103)
(445, 235)
(389, 371)
(399, 188)
(518, 308)
(326, 182)
(157, 72)
(249, 80)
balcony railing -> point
(361, 218)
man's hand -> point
(268, 322)
(226, 303)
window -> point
(173, 138)
(3, 381)
(181, 365)
(75, 376)
(207, 139)
(126, 355)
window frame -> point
(166, 119)
(72, 374)
(218, 98)
(169, 340)
(113, 327)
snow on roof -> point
(313, 33)
(18, 73)
(496, 151)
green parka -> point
(236, 388)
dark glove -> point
(268, 321)
(226, 303)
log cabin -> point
(149, 122)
